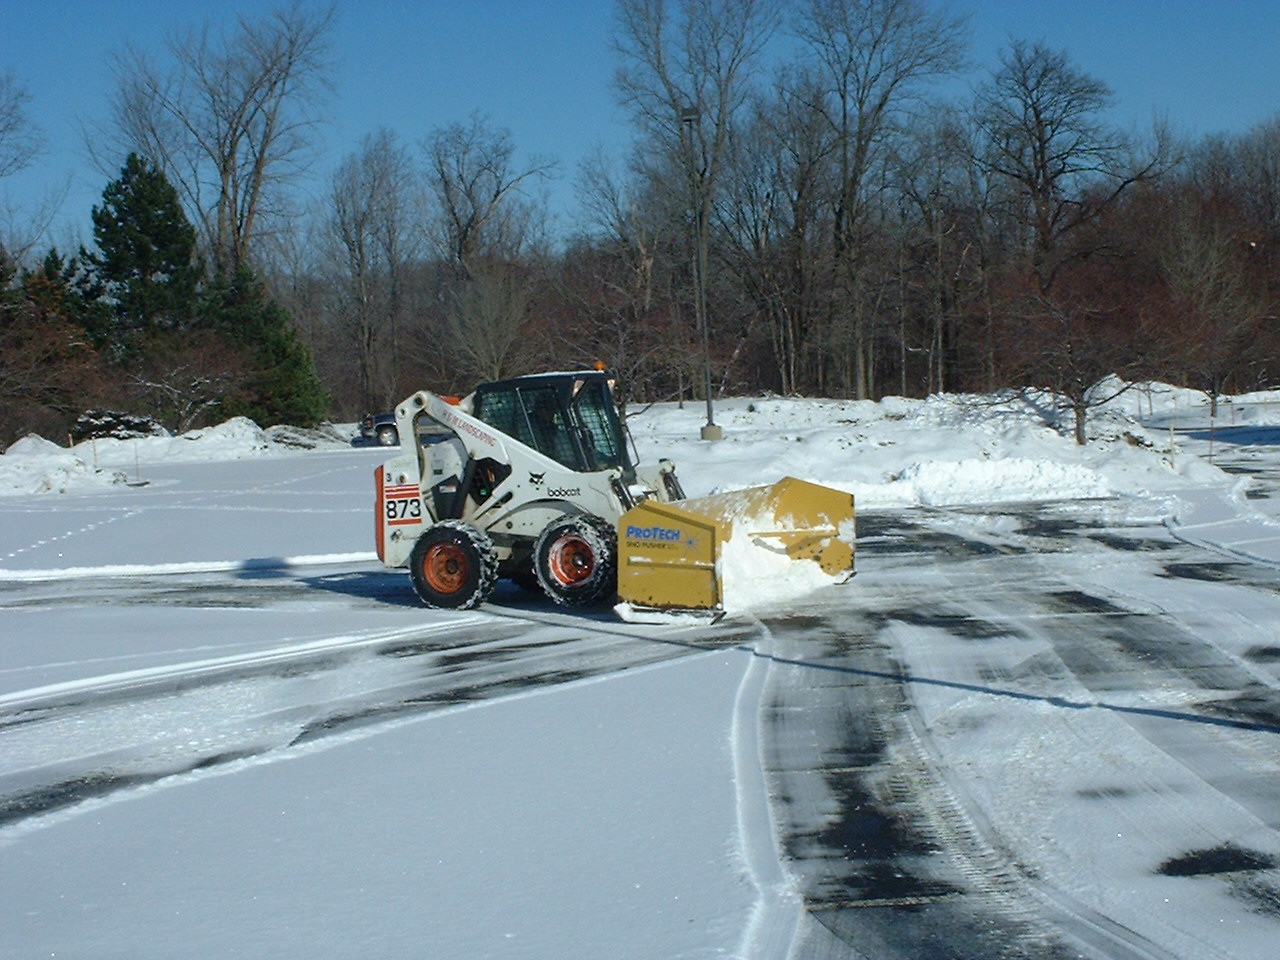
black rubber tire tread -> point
(474, 547)
(601, 586)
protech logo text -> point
(652, 533)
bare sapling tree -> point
(229, 119)
(1083, 350)
(184, 380)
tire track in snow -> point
(1103, 662)
(67, 743)
(89, 740)
(772, 928)
(887, 814)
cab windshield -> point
(573, 421)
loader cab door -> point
(597, 420)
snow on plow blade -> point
(705, 555)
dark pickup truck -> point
(380, 428)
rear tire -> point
(388, 436)
(576, 560)
(453, 565)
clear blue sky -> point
(542, 69)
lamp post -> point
(690, 116)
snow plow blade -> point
(676, 557)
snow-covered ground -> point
(169, 600)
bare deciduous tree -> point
(227, 118)
(1044, 134)
(488, 320)
(619, 285)
(374, 226)
(47, 363)
(186, 376)
(1040, 120)
(875, 58)
(941, 230)
(1252, 163)
(20, 140)
(686, 78)
(480, 212)
(772, 222)
(1217, 309)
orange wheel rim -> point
(445, 568)
(571, 560)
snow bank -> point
(236, 439)
(35, 465)
(940, 451)
(1160, 405)
(994, 481)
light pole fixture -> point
(689, 116)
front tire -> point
(575, 559)
(453, 565)
(388, 436)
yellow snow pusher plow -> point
(731, 550)
(533, 480)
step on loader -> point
(534, 479)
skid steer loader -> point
(533, 479)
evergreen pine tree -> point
(283, 386)
(48, 369)
(57, 286)
(146, 264)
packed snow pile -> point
(755, 575)
(36, 465)
(236, 439)
(940, 451)
(936, 483)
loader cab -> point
(570, 417)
